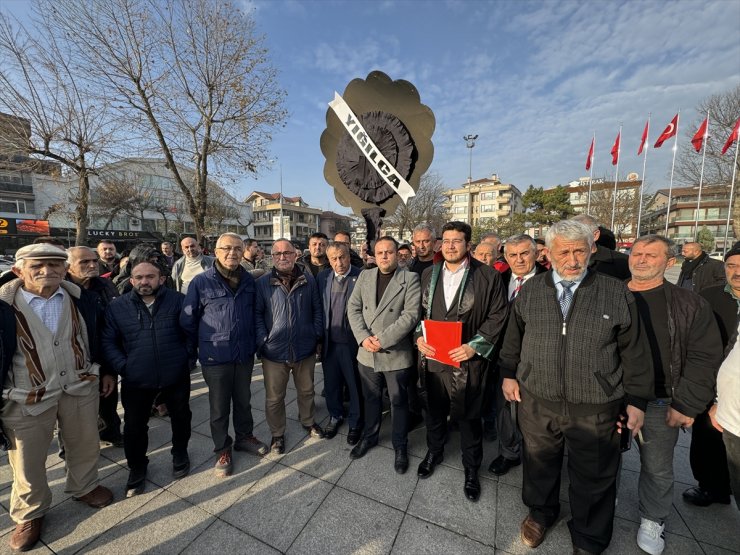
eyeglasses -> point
(284, 254)
(230, 249)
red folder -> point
(443, 337)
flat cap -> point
(732, 252)
(40, 251)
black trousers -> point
(372, 390)
(592, 444)
(340, 368)
(438, 386)
(108, 411)
(229, 384)
(708, 456)
(137, 408)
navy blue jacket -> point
(148, 350)
(218, 322)
(289, 323)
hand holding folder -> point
(443, 337)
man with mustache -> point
(570, 393)
(686, 352)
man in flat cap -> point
(53, 379)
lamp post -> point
(282, 233)
(470, 143)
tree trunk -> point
(83, 200)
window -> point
(488, 196)
(488, 208)
(460, 210)
(10, 205)
(461, 198)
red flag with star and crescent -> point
(615, 150)
(644, 140)
(700, 135)
(669, 132)
(590, 157)
(733, 136)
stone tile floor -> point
(315, 499)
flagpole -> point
(673, 165)
(591, 173)
(642, 183)
(701, 180)
(616, 178)
(732, 190)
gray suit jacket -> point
(392, 321)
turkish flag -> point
(644, 140)
(700, 135)
(669, 132)
(590, 157)
(615, 150)
(733, 136)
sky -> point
(533, 79)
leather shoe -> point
(401, 464)
(136, 482)
(354, 435)
(361, 449)
(332, 427)
(277, 445)
(532, 532)
(703, 498)
(26, 534)
(426, 467)
(501, 465)
(472, 484)
(98, 498)
(314, 430)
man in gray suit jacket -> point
(383, 311)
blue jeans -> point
(655, 487)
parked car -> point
(717, 255)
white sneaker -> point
(650, 536)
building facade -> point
(299, 219)
(20, 219)
(713, 212)
(137, 199)
(483, 200)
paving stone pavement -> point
(316, 500)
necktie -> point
(339, 279)
(566, 297)
(519, 282)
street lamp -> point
(470, 143)
(282, 234)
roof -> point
(693, 190)
(333, 215)
(275, 196)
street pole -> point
(282, 233)
(470, 143)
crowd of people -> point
(566, 346)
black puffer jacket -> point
(148, 350)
